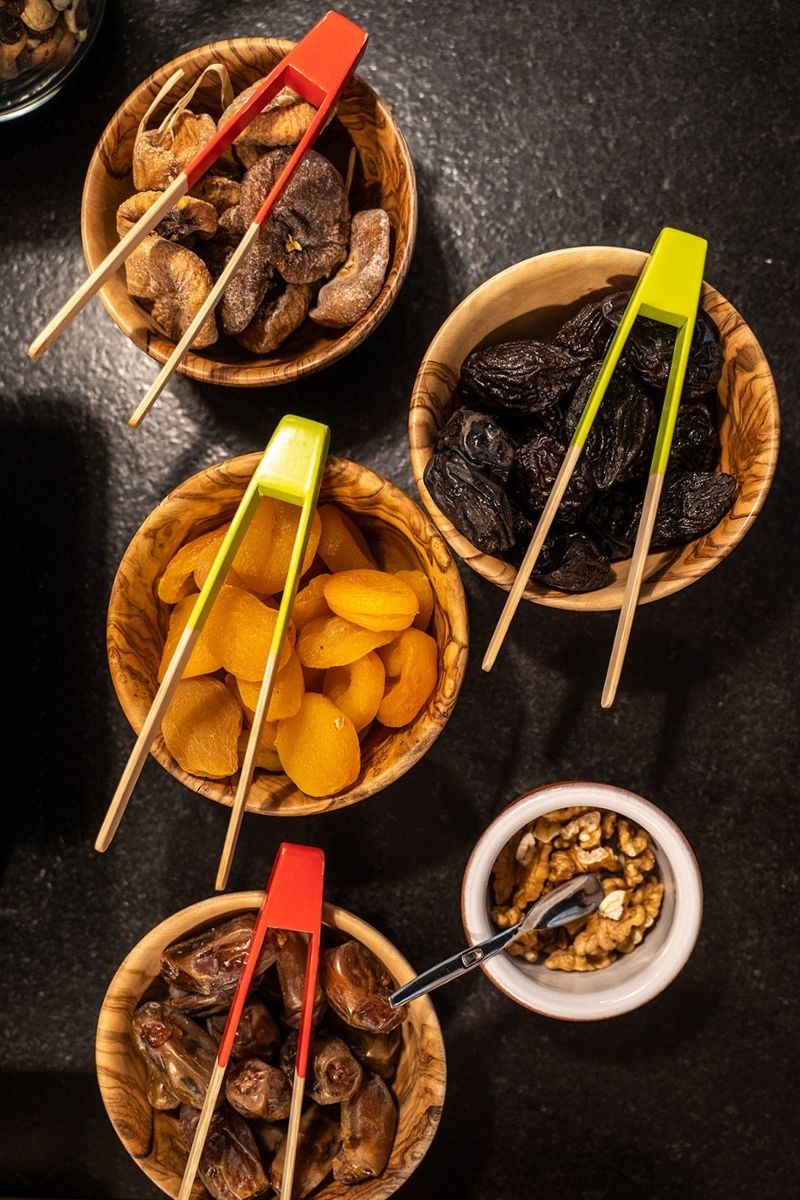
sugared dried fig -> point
(282, 123)
(176, 282)
(219, 190)
(159, 157)
(190, 218)
(306, 235)
(276, 319)
(247, 288)
(344, 300)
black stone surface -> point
(533, 126)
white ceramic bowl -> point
(634, 978)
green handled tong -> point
(668, 290)
(291, 470)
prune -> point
(536, 465)
(625, 424)
(692, 503)
(614, 515)
(695, 443)
(587, 334)
(474, 502)
(651, 343)
(582, 568)
(521, 376)
(479, 439)
(524, 525)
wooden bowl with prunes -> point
(331, 258)
(499, 394)
(376, 1077)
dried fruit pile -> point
(357, 651)
(518, 405)
(349, 1122)
(312, 259)
(559, 846)
(40, 35)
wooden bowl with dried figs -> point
(331, 259)
(157, 1039)
(496, 401)
(370, 670)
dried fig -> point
(345, 298)
(175, 282)
(218, 190)
(281, 123)
(277, 317)
(245, 291)
(159, 155)
(189, 218)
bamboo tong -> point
(317, 69)
(290, 470)
(292, 900)
(668, 290)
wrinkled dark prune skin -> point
(623, 428)
(695, 443)
(691, 504)
(479, 439)
(474, 502)
(651, 343)
(536, 464)
(582, 566)
(524, 525)
(586, 335)
(613, 517)
(521, 376)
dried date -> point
(474, 502)
(522, 376)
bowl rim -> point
(452, 656)
(490, 566)
(227, 905)
(204, 367)
(657, 973)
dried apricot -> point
(335, 642)
(411, 672)
(372, 599)
(254, 548)
(357, 689)
(202, 660)
(342, 546)
(319, 748)
(287, 691)
(310, 602)
(424, 593)
(177, 581)
(313, 678)
(265, 758)
(239, 631)
(262, 560)
(201, 728)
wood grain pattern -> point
(151, 1137)
(531, 299)
(393, 525)
(384, 177)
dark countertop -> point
(532, 127)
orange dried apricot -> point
(420, 583)
(411, 673)
(357, 689)
(372, 599)
(319, 748)
(287, 691)
(239, 631)
(313, 678)
(262, 560)
(342, 546)
(201, 728)
(310, 602)
(265, 758)
(176, 582)
(202, 660)
(335, 642)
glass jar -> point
(41, 44)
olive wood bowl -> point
(151, 1137)
(532, 299)
(383, 178)
(392, 524)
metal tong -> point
(668, 290)
(292, 900)
(576, 898)
(317, 69)
(290, 470)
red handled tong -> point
(292, 900)
(317, 69)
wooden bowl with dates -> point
(533, 300)
(362, 139)
(397, 535)
(152, 1137)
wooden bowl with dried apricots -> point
(152, 1137)
(370, 671)
(281, 342)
